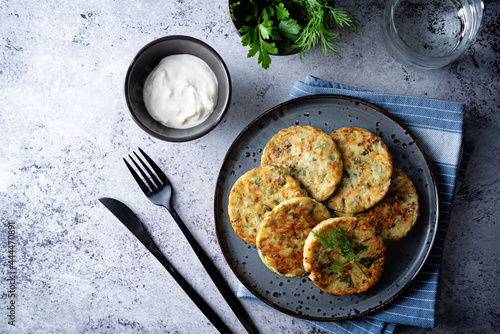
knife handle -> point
(195, 297)
(134, 225)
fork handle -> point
(215, 275)
(192, 293)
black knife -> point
(130, 220)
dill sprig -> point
(321, 20)
(274, 26)
(339, 243)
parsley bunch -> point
(274, 26)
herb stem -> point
(343, 248)
(274, 26)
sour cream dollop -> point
(181, 92)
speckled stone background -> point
(64, 127)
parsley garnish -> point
(341, 244)
(274, 26)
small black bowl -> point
(145, 62)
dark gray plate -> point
(299, 296)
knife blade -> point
(132, 222)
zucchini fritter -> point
(394, 216)
(310, 155)
(367, 170)
(255, 194)
(281, 237)
(344, 256)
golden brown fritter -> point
(367, 170)
(394, 216)
(255, 194)
(281, 237)
(310, 155)
(344, 256)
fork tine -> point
(146, 177)
(143, 186)
(155, 167)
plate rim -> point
(434, 188)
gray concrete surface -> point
(64, 127)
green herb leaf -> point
(282, 25)
(267, 13)
(340, 243)
(345, 244)
(265, 30)
(290, 28)
(264, 50)
(337, 266)
(254, 49)
(281, 12)
(249, 35)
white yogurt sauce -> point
(181, 92)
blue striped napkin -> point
(438, 125)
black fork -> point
(159, 191)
